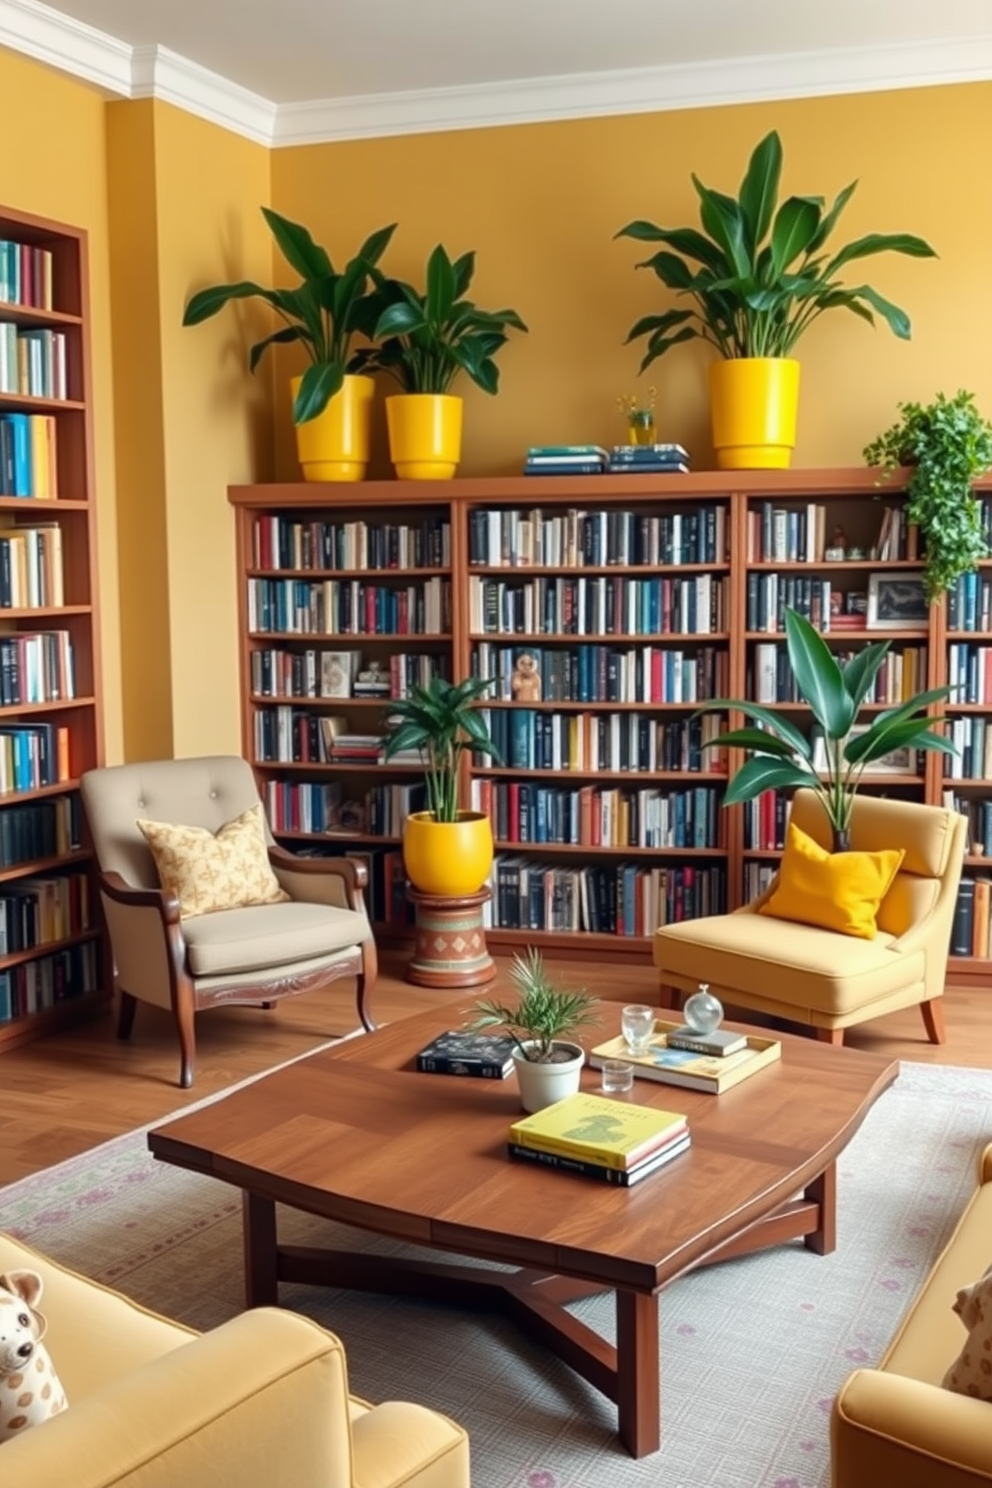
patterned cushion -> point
(210, 871)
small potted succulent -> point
(548, 1062)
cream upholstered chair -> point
(256, 954)
(821, 978)
(261, 1399)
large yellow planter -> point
(335, 445)
(450, 859)
(753, 406)
(425, 435)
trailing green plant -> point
(428, 338)
(781, 755)
(543, 1014)
(948, 444)
(441, 720)
(758, 275)
(324, 312)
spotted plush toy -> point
(971, 1372)
(30, 1390)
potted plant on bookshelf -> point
(447, 852)
(427, 339)
(332, 400)
(548, 1062)
(948, 445)
(781, 757)
(757, 277)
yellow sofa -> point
(895, 1424)
(262, 1399)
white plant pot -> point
(543, 1084)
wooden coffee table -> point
(355, 1134)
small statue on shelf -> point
(836, 549)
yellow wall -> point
(541, 203)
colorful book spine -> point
(598, 1157)
(620, 1177)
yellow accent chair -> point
(819, 977)
(261, 1399)
(252, 954)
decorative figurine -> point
(836, 551)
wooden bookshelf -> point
(50, 689)
(635, 611)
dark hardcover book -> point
(583, 467)
(621, 1177)
(719, 1043)
(964, 918)
(638, 453)
(484, 1056)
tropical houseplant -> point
(446, 851)
(325, 312)
(548, 1064)
(782, 757)
(757, 276)
(947, 444)
(426, 340)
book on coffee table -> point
(621, 1177)
(595, 1129)
(672, 1066)
(484, 1056)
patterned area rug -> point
(752, 1351)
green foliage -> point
(442, 721)
(758, 275)
(428, 338)
(324, 312)
(781, 756)
(949, 445)
(543, 1014)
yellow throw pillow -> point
(836, 891)
(209, 871)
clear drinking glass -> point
(637, 1024)
(618, 1075)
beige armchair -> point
(256, 954)
(818, 977)
(261, 1399)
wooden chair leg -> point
(830, 1036)
(933, 1020)
(267, 1006)
(185, 1015)
(670, 997)
(125, 1015)
(365, 985)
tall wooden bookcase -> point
(633, 598)
(53, 957)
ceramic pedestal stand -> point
(450, 946)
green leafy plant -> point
(324, 312)
(543, 1014)
(948, 444)
(441, 720)
(428, 338)
(758, 274)
(782, 755)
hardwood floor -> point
(65, 1094)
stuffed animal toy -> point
(30, 1390)
(971, 1372)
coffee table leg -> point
(261, 1268)
(823, 1191)
(638, 1386)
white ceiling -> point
(306, 69)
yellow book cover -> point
(614, 1133)
(714, 1073)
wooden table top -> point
(356, 1134)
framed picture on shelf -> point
(896, 762)
(336, 673)
(896, 602)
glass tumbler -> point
(617, 1075)
(637, 1024)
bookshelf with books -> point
(604, 608)
(54, 964)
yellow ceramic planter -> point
(753, 405)
(450, 859)
(425, 435)
(335, 445)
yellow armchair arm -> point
(402, 1443)
(890, 1429)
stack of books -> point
(481, 1056)
(566, 459)
(642, 459)
(610, 1140)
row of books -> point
(36, 667)
(969, 672)
(612, 1141)
(770, 678)
(798, 533)
(40, 911)
(513, 537)
(607, 605)
(765, 821)
(979, 814)
(32, 756)
(602, 674)
(972, 739)
(39, 829)
(969, 602)
(385, 896)
(25, 275)
(36, 985)
(348, 607)
(757, 878)
(325, 674)
(970, 930)
(31, 567)
(608, 899)
(28, 455)
(287, 543)
(33, 362)
(600, 817)
(320, 807)
(769, 595)
(530, 740)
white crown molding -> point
(158, 73)
(49, 36)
